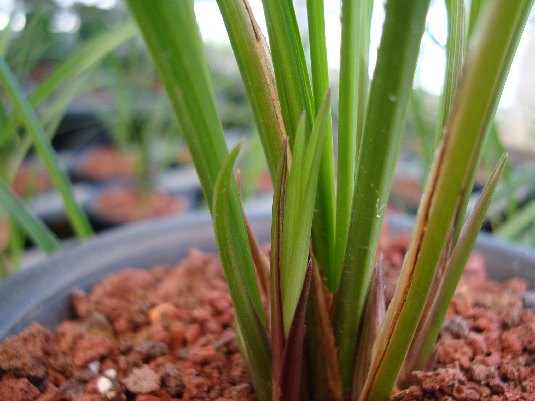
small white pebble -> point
(94, 366)
(110, 373)
(104, 385)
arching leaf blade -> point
(43, 147)
(34, 228)
(231, 234)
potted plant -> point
(323, 268)
(43, 294)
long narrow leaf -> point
(291, 72)
(318, 49)
(170, 30)
(474, 106)
(441, 295)
(77, 217)
(455, 49)
(5, 35)
(476, 7)
(17, 243)
(323, 234)
(348, 104)
(36, 230)
(295, 92)
(475, 12)
(299, 209)
(366, 11)
(385, 118)
(257, 73)
(51, 118)
(230, 233)
(277, 228)
(454, 55)
(85, 58)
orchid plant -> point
(320, 296)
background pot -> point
(42, 293)
(116, 204)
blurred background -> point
(114, 132)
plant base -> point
(166, 334)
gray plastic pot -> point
(41, 293)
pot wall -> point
(42, 293)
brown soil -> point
(166, 335)
(100, 164)
(120, 204)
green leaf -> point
(77, 217)
(348, 104)
(484, 74)
(455, 46)
(277, 228)
(36, 230)
(5, 36)
(85, 58)
(170, 30)
(298, 211)
(256, 70)
(51, 118)
(231, 233)
(476, 6)
(446, 282)
(291, 72)
(295, 94)
(323, 226)
(318, 50)
(385, 119)
(366, 8)
(11, 259)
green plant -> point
(322, 239)
(69, 79)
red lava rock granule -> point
(166, 334)
(486, 349)
(159, 335)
